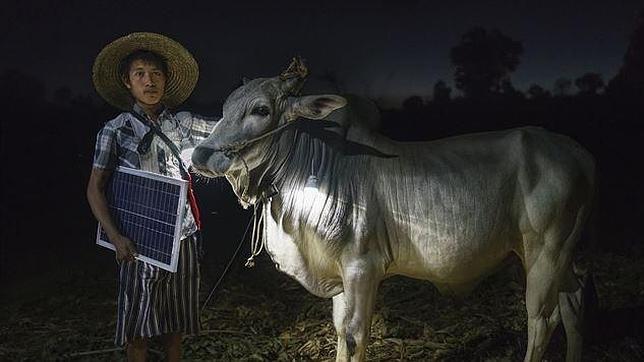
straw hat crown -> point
(182, 76)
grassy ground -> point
(262, 315)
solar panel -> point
(147, 208)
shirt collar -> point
(139, 110)
(142, 128)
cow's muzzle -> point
(209, 163)
(201, 155)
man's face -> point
(146, 82)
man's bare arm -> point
(98, 203)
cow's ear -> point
(318, 106)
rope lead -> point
(258, 237)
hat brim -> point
(183, 71)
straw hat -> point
(182, 76)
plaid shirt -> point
(118, 140)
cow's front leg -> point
(339, 321)
(352, 310)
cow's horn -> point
(296, 69)
(294, 75)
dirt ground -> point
(260, 314)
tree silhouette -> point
(442, 93)
(508, 90)
(413, 103)
(19, 87)
(537, 92)
(589, 83)
(562, 87)
(630, 78)
(483, 59)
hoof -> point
(351, 344)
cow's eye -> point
(261, 111)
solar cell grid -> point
(148, 208)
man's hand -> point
(96, 197)
(124, 248)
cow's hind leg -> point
(542, 306)
(548, 267)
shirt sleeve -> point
(105, 153)
(197, 127)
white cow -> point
(447, 211)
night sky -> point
(383, 49)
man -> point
(146, 74)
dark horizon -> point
(383, 50)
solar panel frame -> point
(124, 212)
